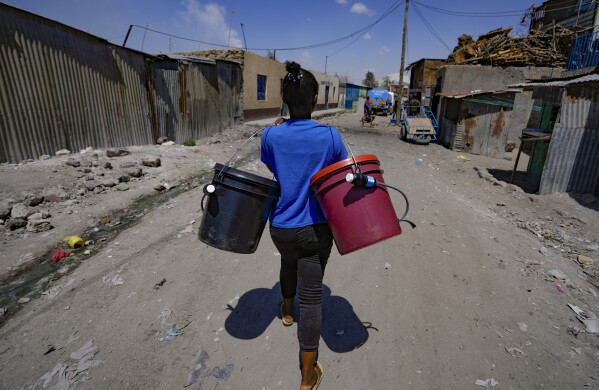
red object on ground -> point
(59, 254)
(358, 216)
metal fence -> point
(63, 88)
(572, 163)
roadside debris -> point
(159, 284)
(461, 157)
(199, 369)
(486, 382)
(498, 48)
(588, 318)
(515, 352)
(68, 374)
(74, 242)
(585, 260)
(59, 254)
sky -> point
(346, 37)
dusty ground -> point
(476, 293)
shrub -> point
(189, 142)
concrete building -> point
(423, 79)
(263, 82)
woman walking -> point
(294, 151)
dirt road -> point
(470, 298)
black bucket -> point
(237, 210)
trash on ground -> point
(159, 284)
(559, 288)
(387, 265)
(169, 331)
(486, 382)
(461, 157)
(515, 352)
(198, 370)
(24, 300)
(59, 254)
(585, 260)
(557, 275)
(589, 319)
(68, 373)
(115, 280)
(74, 242)
(522, 326)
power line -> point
(481, 14)
(430, 28)
(478, 14)
(313, 46)
(385, 14)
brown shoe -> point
(286, 318)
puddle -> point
(30, 282)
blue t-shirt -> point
(295, 151)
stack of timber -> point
(538, 48)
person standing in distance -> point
(294, 150)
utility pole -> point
(326, 59)
(143, 40)
(244, 42)
(403, 59)
(230, 25)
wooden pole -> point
(403, 58)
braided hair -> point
(299, 87)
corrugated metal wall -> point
(482, 126)
(572, 163)
(63, 88)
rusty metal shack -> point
(572, 162)
(477, 122)
(64, 88)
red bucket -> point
(358, 216)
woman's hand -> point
(280, 120)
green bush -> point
(189, 142)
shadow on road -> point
(342, 330)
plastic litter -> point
(74, 242)
(486, 382)
(461, 157)
(169, 331)
(59, 254)
(559, 288)
(419, 161)
(589, 319)
(387, 265)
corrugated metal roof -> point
(558, 83)
(459, 95)
(192, 59)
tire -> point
(422, 140)
(402, 132)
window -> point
(261, 87)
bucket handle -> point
(222, 171)
(358, 169)
(207, 190)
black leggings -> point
(304, 254)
